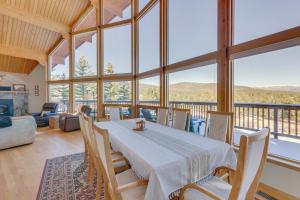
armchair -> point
(42, 118)
(70, 122)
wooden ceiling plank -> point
(34, 19)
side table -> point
(54, 122)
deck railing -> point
(282, 119)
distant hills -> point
(189, 91)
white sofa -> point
(21, 132)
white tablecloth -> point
(166, 170)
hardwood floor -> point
(21, 167)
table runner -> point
(166, 170)
(196, 157)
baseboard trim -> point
(278, 194)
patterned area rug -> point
(64, 179)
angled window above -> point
(117, 50)
(85, 64)
(114, 11)
(87, 21)
(149, 40)
(59, 62)
(192, 28)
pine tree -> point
(83, 69)
(124, 91)
(109, 87)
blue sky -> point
(193, 31)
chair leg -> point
(86, 155)
(90, 169)
(91, 173)
(99, 186)
(106, 192)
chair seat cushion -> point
(137, 193)
(215, 185)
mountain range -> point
(190, 91)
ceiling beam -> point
(34, 19)
(31, 54)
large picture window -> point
(149, 91)
(117, 50)
(192, 28)
(267, 94)
(59, 62)
(117, 92)
(194, 89)
(149, 49)
(86, 94)
(256, 18)
(59, 93)
(85, 55)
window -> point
(59, 62)
(149, 90)
(267, 91)
(114, 11)
(117, 92)
(88, 22)
(194, 85)
(85, 55)
(59, 93)
(194, 89)
(256, 18)
(192, 28)
(117, 50)
(142, 4)
(86, 94)
(149, 49)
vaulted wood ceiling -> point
(29, 28)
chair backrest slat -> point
(162, 115)
(219, 126)
(251, 161)
(181, 119)
(104, 157)
(114, 113)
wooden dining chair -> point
(85, 139)
(123, 186)
(163, 115)
(115, 113)
(219, 126)
(251, 161)
(181, 119)
(120, 163)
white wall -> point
(37, 76)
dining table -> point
(169, 158)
